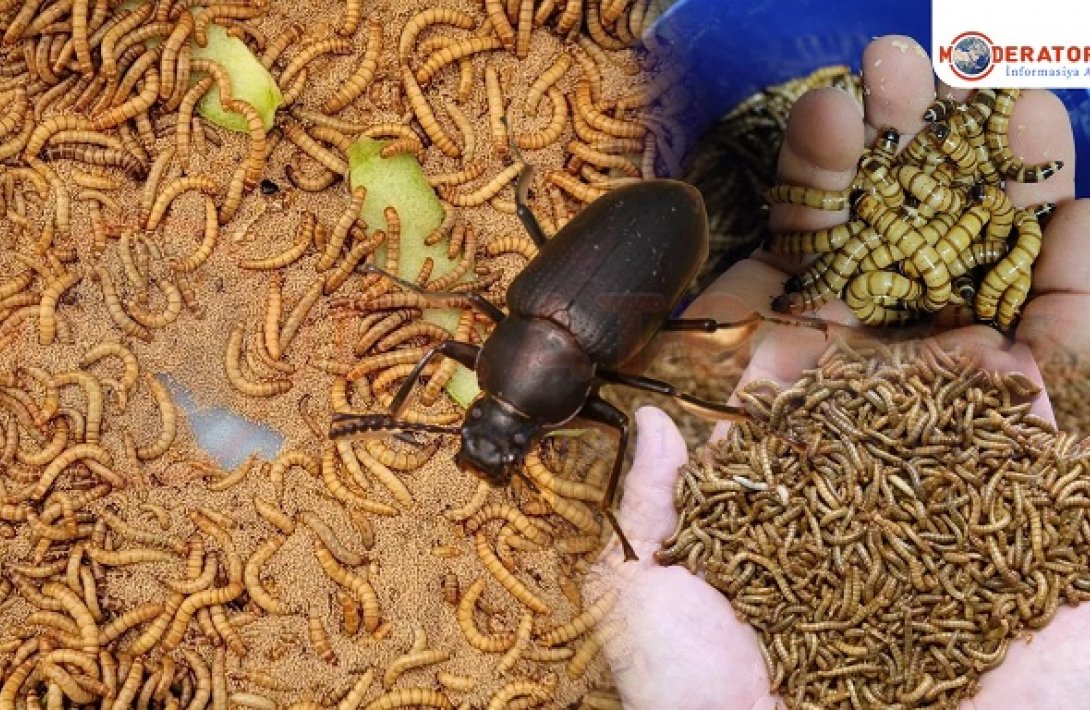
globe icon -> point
(972, 56)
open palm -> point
(679, 645)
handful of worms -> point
(930, 522)
(930, 226)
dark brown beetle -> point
(590, 301)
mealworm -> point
(232, 364)
(387, 478)
(424, 114)
(360, 588)
(503, 697)
(200, 183)
(114, 308)
(580, 624)
(298, 135)
(413, 659)
(304, 236)
(503, 511)
(354, 698)
(329, 539)
(319, 639)
(485, 192)
(410, 697)
(77, 609)
(508, 581)
(496, 109)
(340, 232)
(545, 80)
(147, 537)
(168, 315)
(551, 133)
(299, 313)
(252, 576)
(251, 700)
(454, 52)
(47, 317)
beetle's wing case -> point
(613, 274)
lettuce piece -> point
(250, 81)
(400, 182)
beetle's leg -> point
(522, 189)
(701, 407)
(710, 325)
(598, 410)
(464, 353)
(482, 304)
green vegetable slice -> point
(250, 81)
(400, 182)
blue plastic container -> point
(731, 50)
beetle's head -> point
(495, 439)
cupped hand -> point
(676, 641)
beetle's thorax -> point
(537, 367)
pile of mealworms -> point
(1067, 379)
(139, 239)
(923, 520)
(929, 226)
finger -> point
(1058, 315)
(647, 513)
(898, 86)
(1039, 130)
(822, 144)
(945, 91)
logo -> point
(969, 56)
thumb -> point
(647, 512)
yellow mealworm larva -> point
(454, 52)
(252, 576)
(147, 537)
(203, 580)
(251, 700)
(485, 192)
(116, 311)
(497, 16)
(236, 477)
(168, 315)
(298, 135)
(525, 28)
(77, 609)
(192, 604)
(274, 516)
(459, 177)
(480, 495)
(522, 640)
(131, 372)
(219, 679)
(168, 415)
(79, 452)
(523, 246)
(319, 639)
(232, 199)
(198, 256)
(350, 610)
(129, 556)
(460, 683)
(309, 53)
(329, 539)
(47, 310)
(285, 461)
(509, 582)
(424, 114)
(496, 110)
(274, 304)
(580, 624)
(340, 232)
(254, 164)
(361, 78)
(137, 615)
(551, 133)
(386, 477)
(203, 691)
(298, 314)
(403, 145)
(410, 697)
(354, 583)
(503, 697)
(354, 698)
(413, 659)
(342, 493)
(398, 460)
(498, 510)
(201, 183)
(466, 608)
(303, 240)
(351, 19)
(232, 364)
(545, 80)
(420, 21)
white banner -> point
(1008, 44)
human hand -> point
(679, 645)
